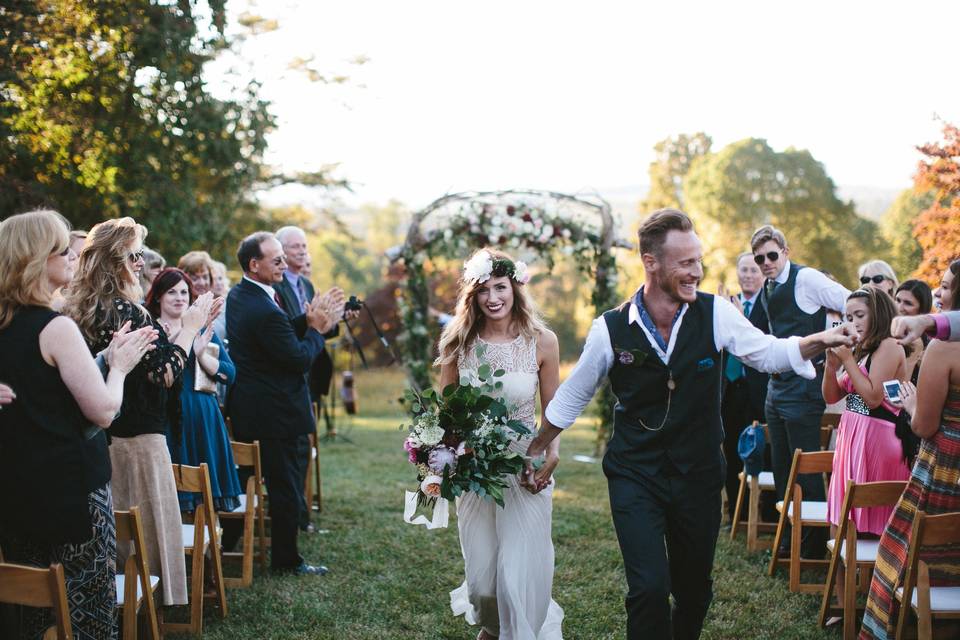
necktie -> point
(303, 294)
(279, 301)
(734, 368)
(771, 286)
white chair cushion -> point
(866, 550)
(187, 530)
(942, 599)
(120, 579)
(810, 510)
(243, 503)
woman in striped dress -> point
(933, 488)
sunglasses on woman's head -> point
(875, 279)
(136, 256)
(772, 256)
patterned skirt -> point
(932, 489)
(89, 569)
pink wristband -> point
(941, 327)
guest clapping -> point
(202, 433)
(54, 465)
(104, 295)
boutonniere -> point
(630, 357)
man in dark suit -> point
(744, 388)
(270, 401)
(296, 292)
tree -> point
(747, 184)
(104, 112)
(673, 159)
(937, 229)
(896, 227)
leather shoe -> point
(310, 570)
(783, 552)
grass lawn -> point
(389, 579)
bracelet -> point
(941, 327)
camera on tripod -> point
(353, 303)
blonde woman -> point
(507, 552)
(879, 275)
(104, 295)
(54, 465)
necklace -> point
(671, 385)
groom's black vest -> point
(693, 431)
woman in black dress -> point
(61, 509)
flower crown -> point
(482, 266)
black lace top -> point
(148, 404)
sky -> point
(573, 95)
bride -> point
(507, 552)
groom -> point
(664, 466)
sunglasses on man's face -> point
(874, 279)
(772, 256)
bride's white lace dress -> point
(508, 552)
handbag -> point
(203, 382)
(750, 448)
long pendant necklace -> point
(671, 385)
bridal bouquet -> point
(459, 441)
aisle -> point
(390, 580)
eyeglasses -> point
(875, 279)
(772, 256)
(136, 257)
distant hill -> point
(870, 202)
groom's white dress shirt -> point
(731, 331)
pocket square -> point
(705, 364)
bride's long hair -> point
(468, 319)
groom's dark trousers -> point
(684, 510)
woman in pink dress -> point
(868, 449)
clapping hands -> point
(128, 347)
(325, 311)
(200, 312)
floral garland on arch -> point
(547, 224)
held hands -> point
(543, 476)
(196, 317)
(841, 336)
(843, 355)
(325, 311)
(128, 347)
(909, 329)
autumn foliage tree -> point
(937, 229)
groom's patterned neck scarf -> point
(650, 324)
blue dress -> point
(204, 437)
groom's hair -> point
(654, 229)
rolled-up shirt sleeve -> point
(577, 390)
(756, 349)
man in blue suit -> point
(270, 400)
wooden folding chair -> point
(762, 482)
(251, 512)
(857, 556)
(928, 602)
(197, 539)
(801, 513)
(829, 422)
(135, 586)
(41, 588)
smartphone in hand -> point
(891, 389)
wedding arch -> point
(543, 223)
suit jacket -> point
(321, 372)
(272, 353)
(756, 381)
